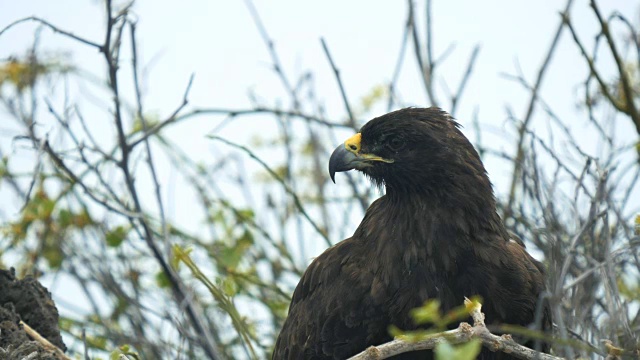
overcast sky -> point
(218, 41)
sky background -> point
(219, 43)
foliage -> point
(466, 351)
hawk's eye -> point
(396, 144)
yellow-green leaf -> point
(116, 236)
(229, 287)
(466, 351)
(427, 313)
(162, 279)
(53, 255)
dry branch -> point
(464, 333)
(44, 342)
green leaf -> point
(245, 241)
(444, 351)
(427, 313)
(466, 351)
(178, 255)
(82, 219)
(230, 256)
(162, 280)
(64, 218)
(124, 350)
(3, 167)
(46, 208)
(627, 290)
(244, 215)
(410, 336)
(65, 324)
(97, 342)
(229, 287)
(53, 255)
(116, 236)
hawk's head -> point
(413, 150)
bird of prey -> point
(435, 234)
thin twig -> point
(295, 197)
(54, 28)
(343, 93)
(517, 166)
(399, 63)
(143, 121)
(43, 341)
(426, 71)
(629, 103)
(112, 57)
(455, 100)
(277, 65)
(154, 129)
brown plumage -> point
(434, 234)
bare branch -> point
(336, 72)
(630, 106)
(44, 342)
(54, 28)
(295, 197)
(426, 70)
(463, 334)
(463, 83)
(517, 169)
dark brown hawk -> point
(434, 234)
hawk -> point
(435, 234)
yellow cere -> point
(353, 143)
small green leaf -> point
(627, 290)
(468, 351)
(244, 215)
(230, 256)
(124, 350)
(82, 219)
(64, 218)
(410, 336)
(229, 287)
(98, 342)
(162, 279)
(116, 236)
(65, 324)
(46, 208)
(245, 241)
(179, 255)
(444, 351)
(427, 313)
(54, 256)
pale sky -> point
(218, 41)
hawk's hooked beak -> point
(347, 156)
